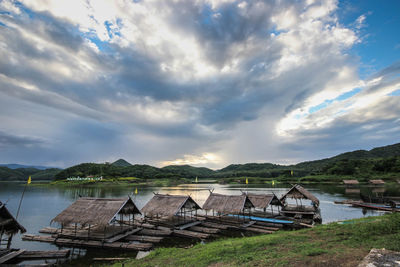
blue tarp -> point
(264, 219)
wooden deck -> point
(87, 243)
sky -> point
(203, 82)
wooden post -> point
(88, 235)
(75, 229)
(9, 241)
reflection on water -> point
(41, 204)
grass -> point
(331, 245)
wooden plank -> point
(215, 225)
(144, 238)
(52, 254)
(247, 224)
(206, 230)
(11, 256)
(121, 236)
(155, 232)
(190, 234)
(183, 227)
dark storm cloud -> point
(117, 98)
(10, 140)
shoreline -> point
(336, 244)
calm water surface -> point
(41, 204)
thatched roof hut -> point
(232, 204)
(262, 201)
(96, 211)
(299, 192)
(350, 182)
(169, 205)
(8, 224)
(377, 181)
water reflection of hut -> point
(301, 210)
(170, 206)
(350, 182)
(228, 204)
(265, 201)
(9, 226)
(98, 215)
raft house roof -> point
(378, 181)
(350, 182)
(299, 192)
(8, 224)
(232, 204)
(96, 211)
(168, 205)
(262, 201)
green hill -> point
(22, 174)
(377, 161)
(121, 163)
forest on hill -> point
(378, 161)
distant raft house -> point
(170, 207)
(228, 204)
(351, 182)
(88, 178)
(377, 182)
(9, 226)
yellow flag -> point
(136, 191)
(247, 181)
(196, 179)
(273, 182)
(291, 173)
(29, 180)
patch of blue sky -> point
(395, 93)
(111, 29)
(327, 102)
(207, 15)
(25, 10)
(103, 46)
(379, 35)
(275, 31)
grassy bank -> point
(330, 245)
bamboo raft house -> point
(228, 204)
(174, 215)
(174, 208)
(9, 227)
(96, 223)
(263, 201)
(307, 213)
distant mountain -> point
(20, 166)
(360, 162)
(121, 163)
(22, 174)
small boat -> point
(375, 206)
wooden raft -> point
(87, 243)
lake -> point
(43, 203)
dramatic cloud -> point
(187, 82)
